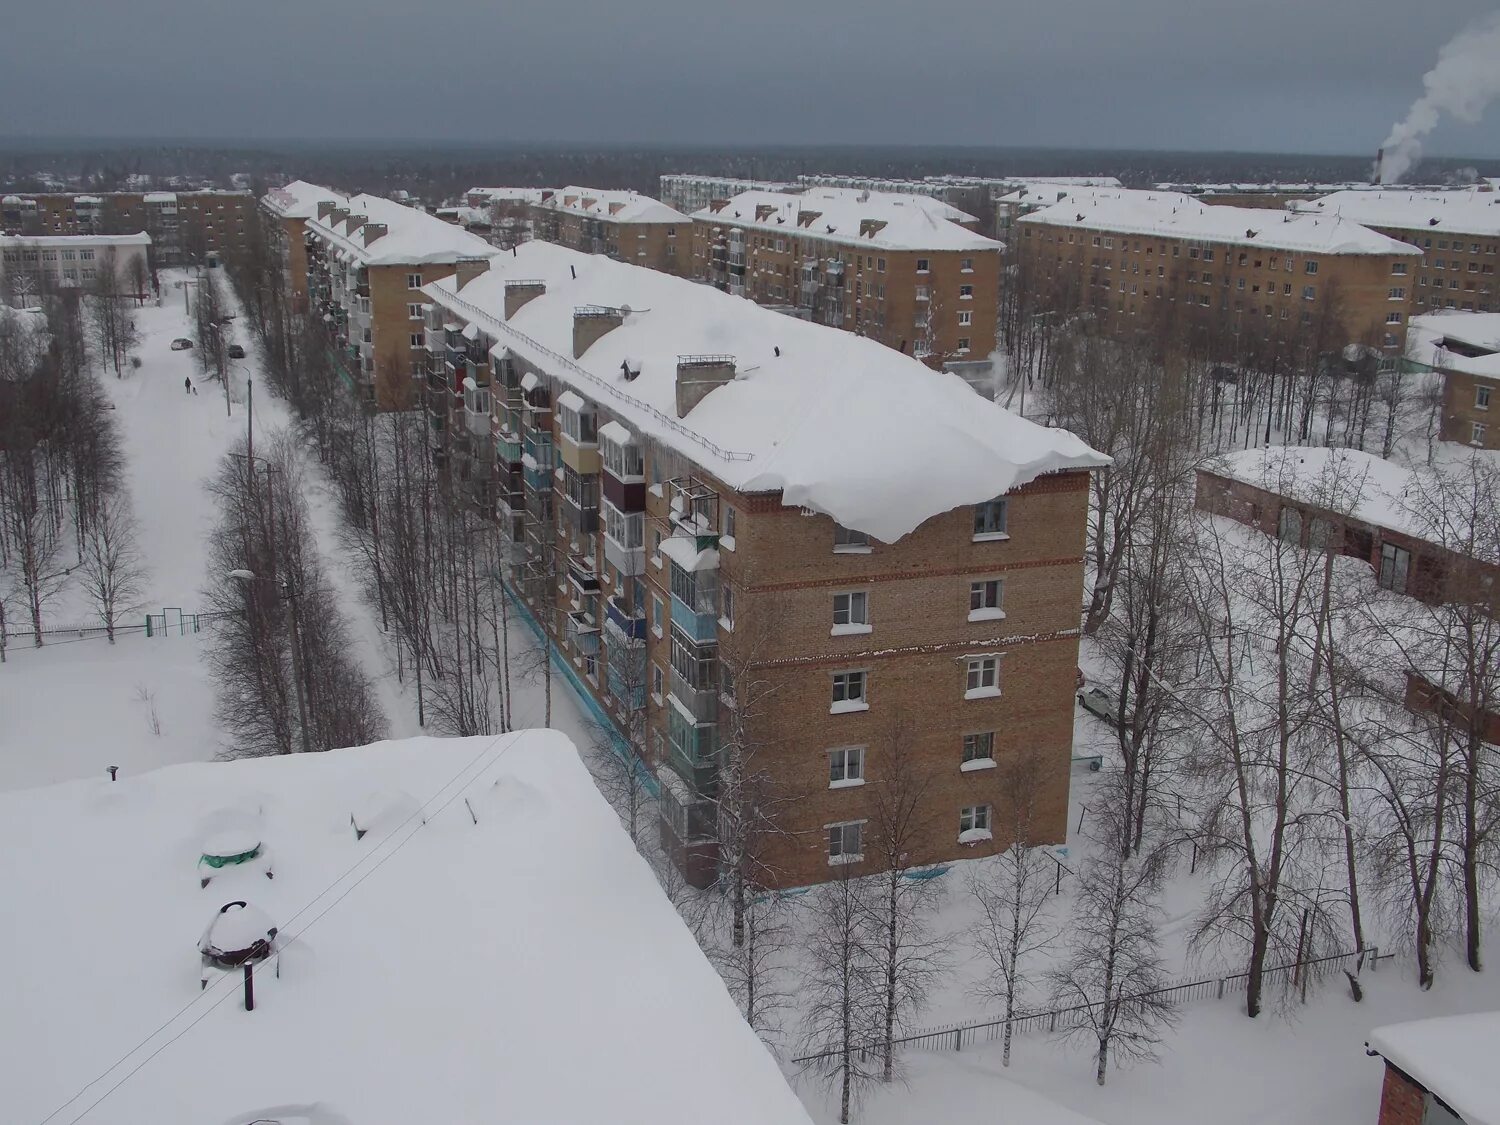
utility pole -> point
(290, 594)
(250, 419)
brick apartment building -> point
(618, 224)
(689, 192)
(713, 523)
(185, 226)
(43, 263)
(510, 213)
(907, 271)
(1464, 350)
(1438, 1071)
(1132, 258)
(362, 266)
(1457, 231)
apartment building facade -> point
(689, 192)
(706, 522)
(185, 226)
(47, 263)
(1137, 259)
(1464, 350)
(364, 262)
(904, 270)
(1458, 233)
(618, 224)
(509, 211)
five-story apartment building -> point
(618, 224)
(753, 539)
(905, 270)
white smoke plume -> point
(1464, 81)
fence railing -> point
(955, 1036)
(169, 622)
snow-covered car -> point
(1100, 703)
(181, 344)
(236, 351)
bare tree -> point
(841, 986)
(112, 569)
(1012, 890)
(1114, 961)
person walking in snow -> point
(187, 385)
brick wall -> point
(1401, 1099)
(1460, 409)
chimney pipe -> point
(1379, 160)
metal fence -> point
(170, 622)
(956, 1036)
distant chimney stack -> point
(325, 208)
(697, 375)
(591, 322)
(337, 216)
(372, 231)
(521, 290)
(355, 222)
(763, 211)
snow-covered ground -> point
(78, 705)
(492, 950)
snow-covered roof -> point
(1173, 215)
(616, 206)
(412, 236)
(912, 222)
(1430, 340)
(140, 238)
(1306, 473)
(817, 422)
(1439, 212)
(509, 194)
(299, 199)
(525, 969)
(1453, 1056)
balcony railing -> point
(701, 703)
(629, 561)
(630, 623)
(701, 626)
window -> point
(849, 692)
(848, 541)
(922, 265)
(974, 822)
(656, 681)
(966, 265)
(990, 519)
(727, 523)
(844, 843)
(656, 547)
(1398, 269)
(414, 281)
(982, 677)
(1481, 397)
(965, 319)
(1311, 265)
(851, 612)
(985, 598)
(1396, 293)
(963, 345)
(846, 767)
(1477, 432)
(657, 614)
(413, 312)
(726, 607)
(1309, 292)
(965, 292)
(922, 293)
(1395, 563)
(418, 339)
(979, 747)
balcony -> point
(701, 703)
(630, 624)
(508, 447)
(583, 634)
(700, 625)
(536, 478)
(629, 561)
(582, 575)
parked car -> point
(181, 344)
(1099, 703)
(236, 352)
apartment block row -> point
(359, 264)
(185, 226)
(747, 534)
(907, 270)
(1133, 258)
(1463, 350)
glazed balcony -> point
(631, 624)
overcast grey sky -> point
(1279, 75)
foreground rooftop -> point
(525, 968)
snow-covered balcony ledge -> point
(973, 765)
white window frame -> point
(981, 605)
(990, 535)
(846, 767)
(838, 852)
(854, 686)
(414, 281)
(851, 613)
(965, 318)
(1481, 396)
(977, 751)
(982, 676)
